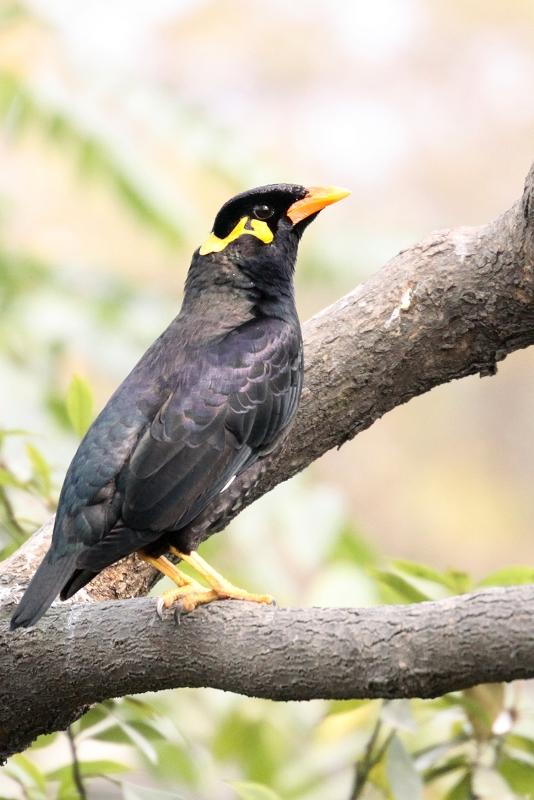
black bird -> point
(216, 391)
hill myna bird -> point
(217, 391)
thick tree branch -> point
(451, 306)
(83, 653)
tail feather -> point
(77, 581)
(42, 590)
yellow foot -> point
(188, 597)
(220, 589)
(185, 584)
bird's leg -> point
(168, 569)
(220, 587)
(185, 584)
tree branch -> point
(84, 653)
(452, 305)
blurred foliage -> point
(21, 108)
(37, 484)
(79, 404)
(199, 745)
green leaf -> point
(115, 733)
(450, 765)
(449, 579)
(139, 741)
(88, 769)
(68, 790)
(257, 745)
(139, 706)
(8, 479)
(350, 546)
(406, 590)
(461, 581)
(519, 742)
(253, 791)
(463, 790)
(518, 774)
(404, 781)
(509, 576)
(44, 740)
(55, 405)
(79, 402)
(338, 726)
(26, 771)
(147, 730)
(92, 717)
(128, 733)
(449, 700)
(342, 706)
(42, 473)
(174, 764)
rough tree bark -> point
(453, 305)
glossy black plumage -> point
(215, 392)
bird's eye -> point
(263, 212)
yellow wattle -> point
(258, 229)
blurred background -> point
(123, 127)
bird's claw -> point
(160, 607)
(163, 605)
(187, 599)
(180, 611)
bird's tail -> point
(42, 590)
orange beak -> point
(318, 197)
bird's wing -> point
(224, 414)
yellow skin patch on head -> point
(258, 229)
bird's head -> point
(262, 227)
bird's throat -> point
(218, 289)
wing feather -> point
(244, 397)
(228, 406)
